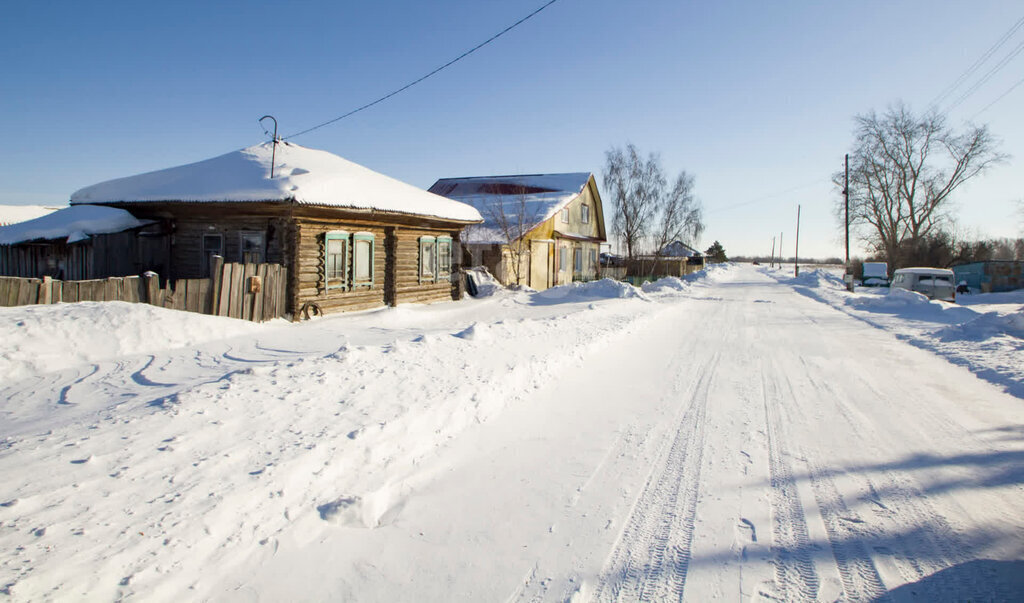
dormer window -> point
(585, 214)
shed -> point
(350, 238)
(539, 230)
(77, 243)
(991, 276)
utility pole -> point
(846, 202)
(848, 273)
(780, 250)
(796, 257)
(772, 264)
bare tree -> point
(645, 210)
(635, 185)
(903, 172)
(679, 215)
(513, 218)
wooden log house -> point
(350, 238)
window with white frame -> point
(428, 259)
(577, 259)
(563, 258)
(444, 257)
(336, 259)
(565, 215)
(252, 244)
(585, 214)
(362, 258)
(593, 260)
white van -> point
(936, 283)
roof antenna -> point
(273, 151)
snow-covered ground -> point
(725, 437)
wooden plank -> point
(45, 291)
(224, 293)
(27, 291)
(237, 274)
(257, 302)
(192, 302)
(110, 289)
(180, 291)
(151, 284)
(5, 286)
(57, 292)
(202, 286)
(248, 297)
(130, 289)
(216, 274)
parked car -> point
(936, 283)
(875, 274)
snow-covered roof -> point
(72, 223)
(12, 214)
(305, 176)
(679, 249)
(540, 196)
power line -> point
(766, 197)
(439, 69)
(978, 63)
(988, 75)
(999, 98)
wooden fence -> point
(253, 292)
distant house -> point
(350, 238)
(678, 249)
(991, 276)
(539, 230)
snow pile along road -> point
(164, 471)
(981, 331)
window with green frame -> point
(336, 259)
(444, 258)
(428, 259)
(362, 258)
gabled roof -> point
(540, 196)
(679, 249)
(71, 223)
(301, 175)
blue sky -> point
(755, 99)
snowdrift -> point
(39, 339)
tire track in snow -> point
(795, 576)
(858, 574)
(651, 559)
(933, 544)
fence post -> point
(45, 291)
(152, 287)
(216, 274)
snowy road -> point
(737, 441)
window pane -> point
(334, 262)
(427, 252)
(444, 251)
(363, 261)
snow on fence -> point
(253, 292)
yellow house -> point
(539, 230)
